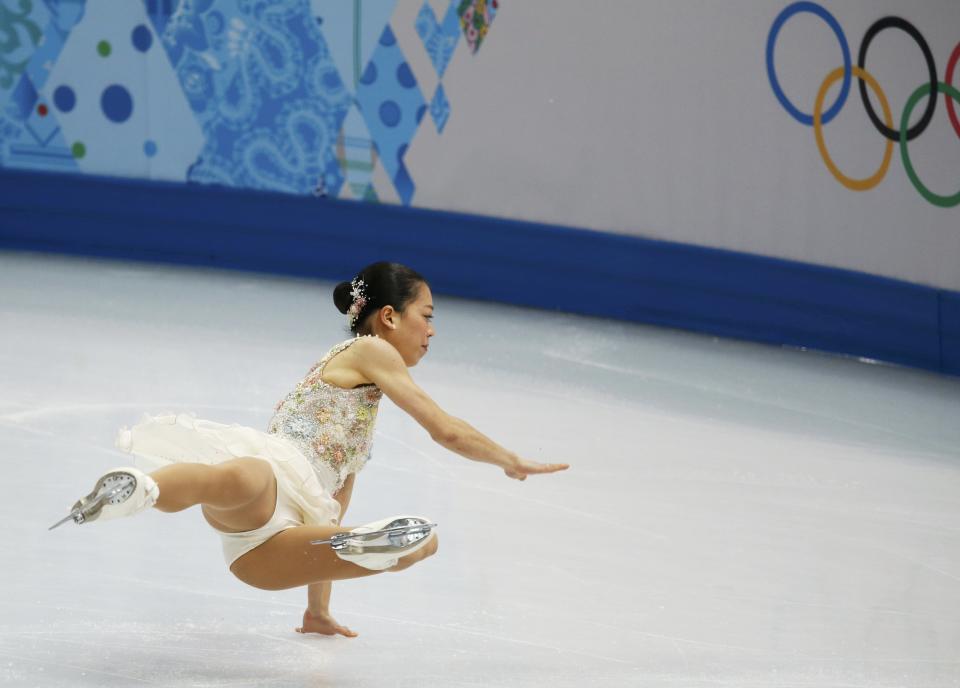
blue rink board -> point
(582, 271)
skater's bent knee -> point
(241, 481)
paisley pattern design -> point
(20, 34)
(439, 40)
(332, 426)
(261, 82)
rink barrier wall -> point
(713, 291)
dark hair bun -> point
(342, 297)
(384, 284)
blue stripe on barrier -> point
(950, 332)
(677, 285)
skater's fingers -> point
(548, 467)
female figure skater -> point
(276, 498)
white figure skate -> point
(120, 492)
(378, 545)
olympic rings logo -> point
(884, 126)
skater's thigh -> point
(288, 560)
(246, 495)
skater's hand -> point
(323, 624)
(521, 468)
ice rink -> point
(735, 514)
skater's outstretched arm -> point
(379, 362)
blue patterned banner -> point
(297, 96)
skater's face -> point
(410, 331)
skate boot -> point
(380, 544)
(120, 492)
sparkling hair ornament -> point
(358, 290)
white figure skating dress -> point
(318, 436)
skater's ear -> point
(388, 317)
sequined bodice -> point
(332, 426)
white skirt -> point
(162, 440)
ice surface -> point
(736, 514)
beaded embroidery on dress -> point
(332, 426)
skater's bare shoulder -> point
(378, 361)
(375, 350)
(371, 358)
